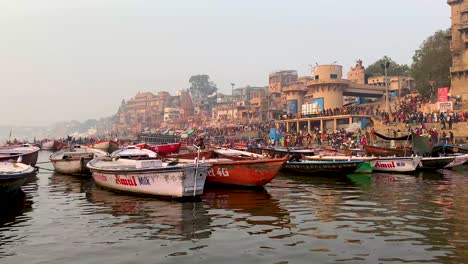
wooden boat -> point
(293, 153)
(134, 152)
(236, 154)
(448, 149)
(435, 162)
(458, 161)
(73, 160)
(149, 177)
(246, 172)
(13, 175)
(386, 152)
(27, 152)
(47, 144)
(162, 150)
(106, 145)
(395, 164)
(332, 167)
(338, 158)
(166, 148)
(216, 154)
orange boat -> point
(247, 172)
(257, 172)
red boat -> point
(385, 152)
(256, 172)
(27, 152)
(242, 172)
(162, 150)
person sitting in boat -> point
(200, 143)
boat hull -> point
(249, 173)
(166, 149)
(281, 152)
(458, 161)
(101, 145)
(48, 145)
(10, 183)
(395, 164)
(322, 167)
(176, 183)
(435, 163)
(75, 166)
(386, 152)
(365, 168)
(29, 158)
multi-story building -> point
(147, 111)
(397, 85)
(277, 99)
(459, 48)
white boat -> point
(13, 175)
(395, 164)
(133, 152)
(47, 144)
(458, 161)
(149, 177)
(73, 160)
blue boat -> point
(12, 176)
(332, 168)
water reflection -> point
(12, 216)
(68, 183)
(246, 207)
(163, 219)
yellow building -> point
(327, 89)
(459, 48)
(398, 85)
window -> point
(333, 76)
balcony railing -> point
(451, 2)
(460, 68)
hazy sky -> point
(63, 60)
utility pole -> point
(233, 103)
(385, 66)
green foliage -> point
(394, 69)
(431, 63)
(201, 87)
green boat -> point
(365, 168)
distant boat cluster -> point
(171, 171)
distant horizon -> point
(77, 60)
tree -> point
(201, 87)
(394, 69)
(431, 63)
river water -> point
(382, 218)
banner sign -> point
(291, 106)
(445, 106)
(443, 94)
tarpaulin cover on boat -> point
(407, 137)
(420, 145)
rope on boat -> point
(196, 171)
(43, 162)
(42, 168)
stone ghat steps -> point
(458, 129)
